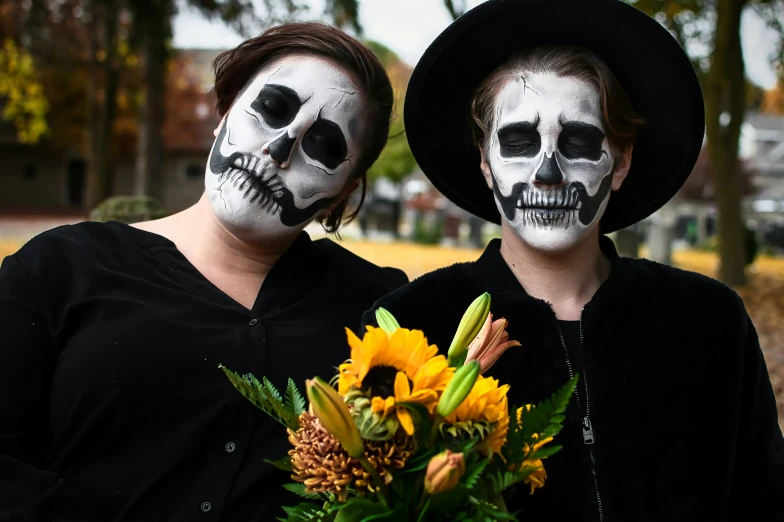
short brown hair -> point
(235, 68)
(620, 119)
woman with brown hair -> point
(113, 405)
(565, 120)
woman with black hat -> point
(564, 120)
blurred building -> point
(45, 178)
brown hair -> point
(235, 68)
(620, 119)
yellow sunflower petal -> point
(402, 388)
(389, 405)
(406, 421)
(377, 405)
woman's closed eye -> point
(277, 105)
(519, 141)
(325, 143)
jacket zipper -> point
(588, 437)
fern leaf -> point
(473, 475)
(294, 399)
(246, 389)
(505, 479)
(306, 512)
(300, 489)
(547, 451)
(282, 464)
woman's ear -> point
(485, 168)
(223, 120)
(623, 162)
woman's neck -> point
(210, 247)
(567, 280)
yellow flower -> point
(537, 477)
(487, 403)
(401, 367)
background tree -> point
(21, 93)
(710, 31)
(396, 160)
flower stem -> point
(437, 421)
(380, 484)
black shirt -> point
(113, 405)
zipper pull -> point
(587, 430)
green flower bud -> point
(469, 328)
(333, 414)
(386, 321)
(458, 388)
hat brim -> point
(647, 61)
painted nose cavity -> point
(280, 149)
(549, 173)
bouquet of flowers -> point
(409, 434)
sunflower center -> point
(380, 381)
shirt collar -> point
(499, 279)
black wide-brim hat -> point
(647, 61)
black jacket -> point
(681, 406)
(112, 405)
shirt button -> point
(230, 447)
(206, 506)
(253, 322)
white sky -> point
(408, 26)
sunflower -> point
(390, 369)
(486, 405)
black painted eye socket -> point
(580, 141)
(325, 143)
(277, 105)
(519, 139)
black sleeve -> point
(368, 319)
(758, 476)
(27, 360)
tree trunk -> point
(725, 94)
(101, 112)
(111, 82)
(93, 189)
(150, 152)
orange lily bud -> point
(444, 472)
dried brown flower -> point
(320, 462)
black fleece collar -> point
(499, 280)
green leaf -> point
(265, 396)
(418, 462)
(306, 512)
(360, 509)
(474, 473)
(294, 399)
(544, 420)
(282, 464)
(547, 451)
(506, 479)
(300, 489)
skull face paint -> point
(550, 159)
(286, 148)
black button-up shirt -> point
(112, 403)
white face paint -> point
(286, 148)
(551, 163)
